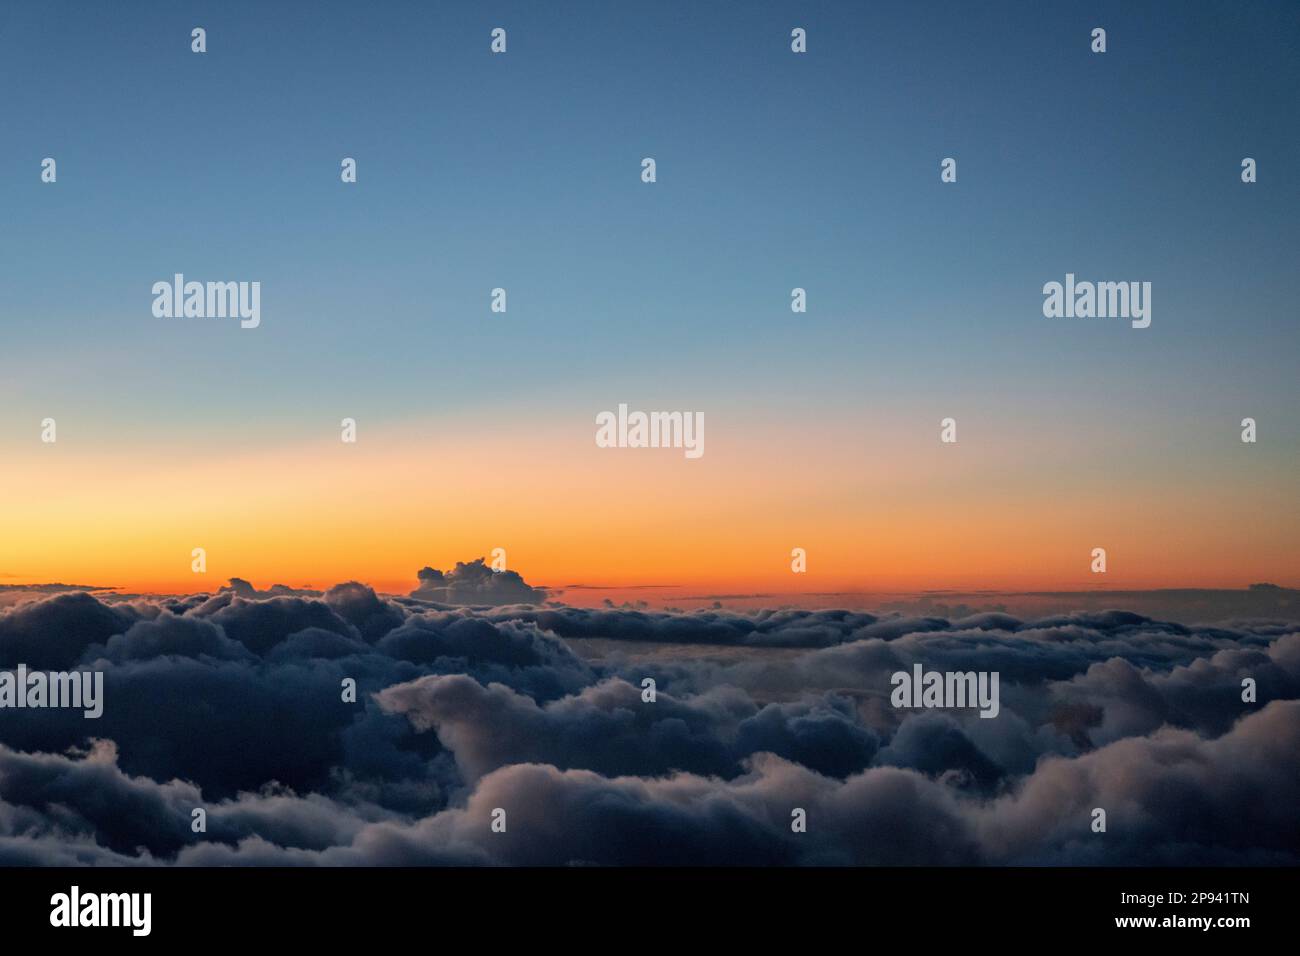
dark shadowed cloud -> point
(235, 702)
(475, 583)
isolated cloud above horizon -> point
(476, 583)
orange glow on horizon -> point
(570, 513)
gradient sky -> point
(775, 171)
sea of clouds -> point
(472, 695)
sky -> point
(774, 170)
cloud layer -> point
(472, 697)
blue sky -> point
(521, 171)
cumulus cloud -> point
(241, 588)
(482, 698)
(476, 583)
